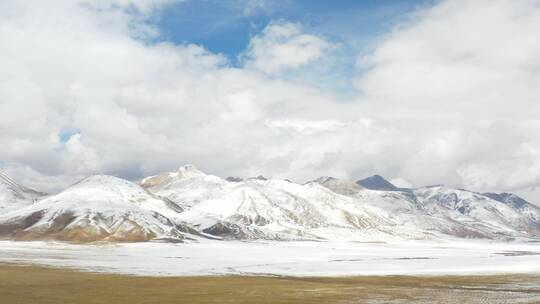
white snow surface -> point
(271, 258)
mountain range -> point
(189, 205)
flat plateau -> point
(49, 285)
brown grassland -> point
(31, 284)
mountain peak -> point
(377, 182)
(102, 179)
(188, 167)
(337, 185)
(324, 179)
(188, 170)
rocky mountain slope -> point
(329, 208)
(14, 195)
(188, 203)
(98, 208)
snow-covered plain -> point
(281, 258)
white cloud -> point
(139, 107)
(306, 127)
(283, 46)
(29, 177)
(449, 97)
(462, 79)
(80, 157)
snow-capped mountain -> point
(483, 212)
(440, 212)
(14, 196)
(187, 202)
(254, 208)
(328, 208)
(251, 209)
(97, 208)
(186, 186)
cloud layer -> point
(450, 96)
(283, 46)
(462, 78)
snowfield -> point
(271, 258)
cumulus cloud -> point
(463, 76)
(138, 107)
(450, 96)
(283, 46)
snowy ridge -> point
(188, 203)
(330, 208)
(186, 186)
(14, 196)
(98, 208)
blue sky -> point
(226, 26)
(65, 134)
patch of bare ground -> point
(29, 284)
